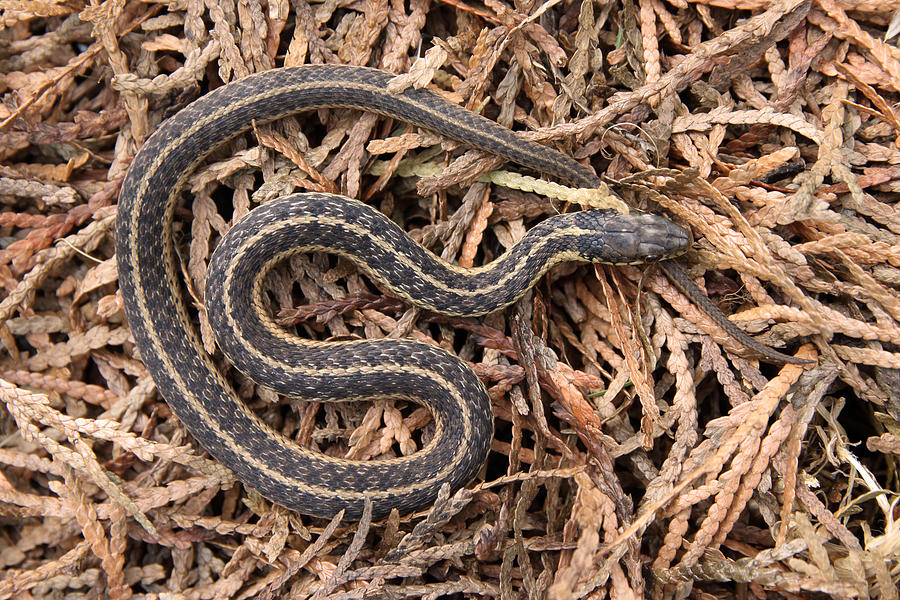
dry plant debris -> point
(638, 451)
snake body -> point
(283, 471)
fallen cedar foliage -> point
(638, 450)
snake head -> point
(610, 237)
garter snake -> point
(200, 395)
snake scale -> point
(200, 395)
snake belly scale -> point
(286, 473)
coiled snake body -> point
(199, 394)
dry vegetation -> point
(639, 451)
